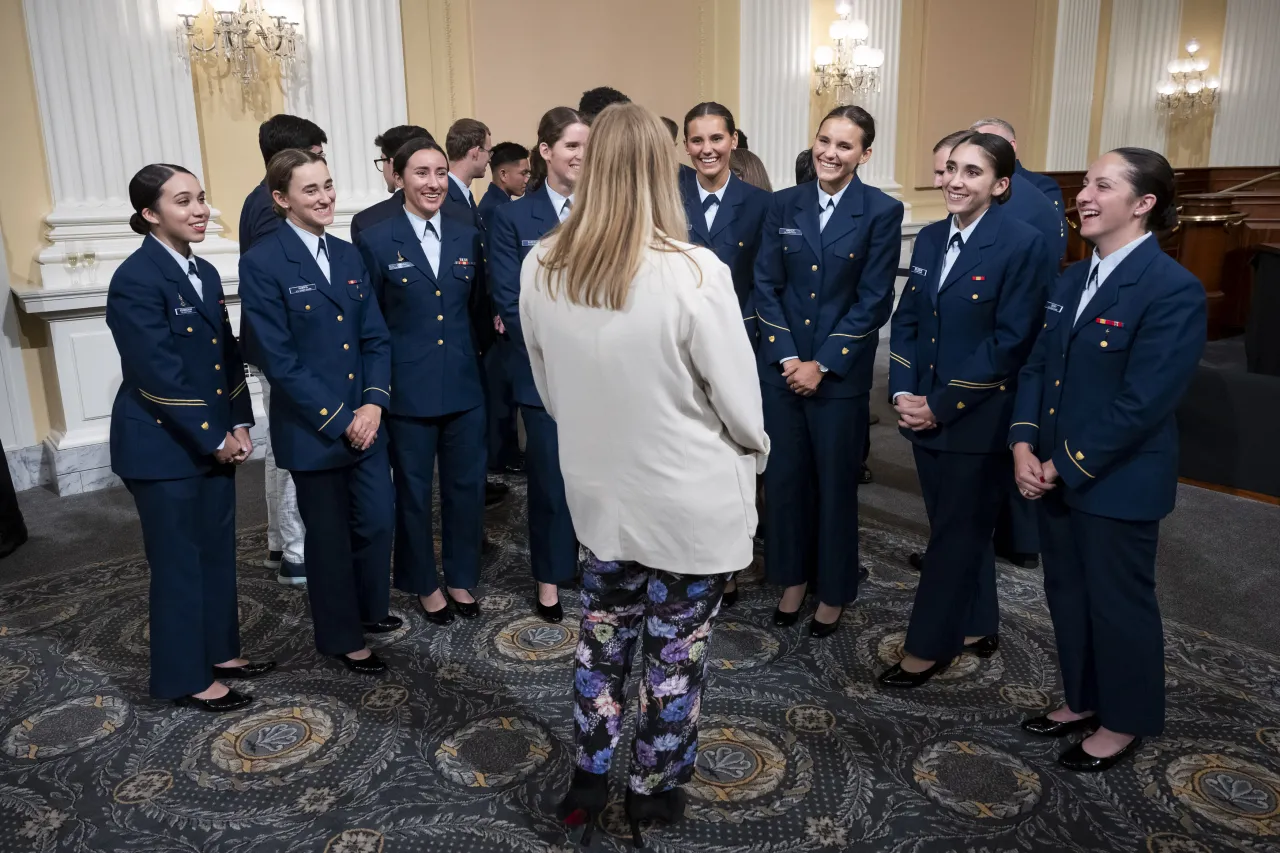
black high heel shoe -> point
(466, 609)
(581, 807)
(666, 806)
(985, 647)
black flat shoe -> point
(985, 647)
(581, 807)
(249, 670)
(233, 701)
(443, 616)
(915, 561)
(466, 609)
(896, 676)
(385, 626)
(1080, 761)
(1046, 727)
(372, 665)
(729, 598)
(549, 612)
(823, 629)
(783, 619)
(665, 806)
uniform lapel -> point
(805, 213)
(971, 253)
(693, 210)
(409, 246)
(308, 269)
(170, 270)
(728, 205)
(844, 218)
(452, 246)
(542, 209)
(1128, 272)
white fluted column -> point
(1144, 37)
(884, 21)
(1075, 54)
(113, 97)
(1246, 131)
(774, 82)
(353, 87)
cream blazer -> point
(658, 412)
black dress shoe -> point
(372, 665)
(985, 647)
(896, 676)
(1046, 727)
(249, 670)
(495, 492)
(729, 597)
(866, 476)
(233, 701)
(823, 629)
(783, 619)
(386, 626)
(549, 612)
(915, 561)
(466, 609)
(1080, 761)
(514, 467)
(443, 616)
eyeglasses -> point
(381, 163)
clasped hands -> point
(363, 429)
(236, 447)
(1034, 477)
(803, 377)
(914, 412)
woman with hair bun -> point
(179, 427)
(963, 329)
(1094, 435)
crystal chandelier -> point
(245, 39)
(851, 68)
(1187, 91)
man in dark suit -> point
(468, 146)
(508, 177)
(258, 220)
(388, 143)
(1043, 183)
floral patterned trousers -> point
(623, 602)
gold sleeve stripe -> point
(331, 417)
(162, 402)
(767, 323)
(1075, 463)
(239, 388)
(752, 317)
(960, 383)
(899, 359)
(388, 393)
(1024, 423)
(855, 337)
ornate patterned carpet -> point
(465, 744)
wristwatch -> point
(822, 368)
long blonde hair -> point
(625, 201)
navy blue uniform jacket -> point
(375, 213)
(514, 230)
(734, 235)
(962, 346)
(1049, 187)
(824, 295)
(182, 387)
(432, 317)
(494, 198)
(458, 202)
(1098, 398)
(1027, 204)
(325, 348)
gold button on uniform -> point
(935, 313)
(933, 340)
(771, 339)
(1079, 455)
(975, 296)
(204, 425)
(404, 280)
(1051, 411)
(215, 340)
(844, 351)
(219, 392)
(439, 316)
(159, 421)
(740, 244)
(851, 256)
(1057, 382)
(346, 346)
(339, 318)
(806, 322)
(324, 412)
(813, 296)
(307, 307)
(437, 293)
(1001, 387)
(1103, 344)
(217, 367)
(815, 267)
(440, 342)
(189, 329)
(351, 376)
(959, 405)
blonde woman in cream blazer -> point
(638, 352)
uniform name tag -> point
(790, 232)
(919, 271)
(524, 243)
(1053, 306)
(185, 310)
(399, 266)
(302, 288)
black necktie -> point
(708, 202)
(430, 229)
(193, 272)
(1090, 288)
(956, 240)
(323, 250)
(823, 208)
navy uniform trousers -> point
(811, 484)
(457, 443)
(553, 545)
(1100, 584)
(963, 493)
(348, 513)
(189, 535)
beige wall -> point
(25, 197)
